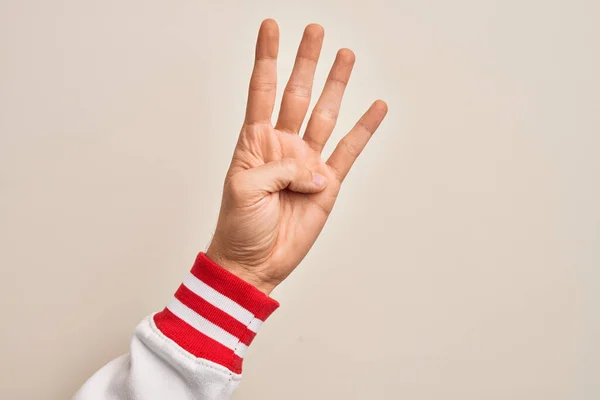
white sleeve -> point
(194, 348)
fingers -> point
(351, 145)
(286, 173)
(263, 83)
(296, 97)
(325, 114)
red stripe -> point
(214, 314)
(267, 309)
(195, 342)
(233, 287)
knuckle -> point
(303, 91)
(290, 165)
(363, 126)
(351, 148)
(329, 114)
(262, 86)
(339, 175)
(341, 83)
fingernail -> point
(318, 179)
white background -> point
(461, 261)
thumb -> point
(287, 173)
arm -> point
(194, 348)
(277, 196)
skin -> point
(279, 192)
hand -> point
(278, 191)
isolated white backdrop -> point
(461, 261)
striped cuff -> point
(214, 314)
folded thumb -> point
(287, 173)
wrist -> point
(238, 269)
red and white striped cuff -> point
(215, 315)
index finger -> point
(263, 83)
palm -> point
(299, 217)
(289, 221)
(268, 229)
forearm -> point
(194, 348)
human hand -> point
(278, 191)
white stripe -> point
(241, 350)
(255, 325)
(204, 326)
(222, 302)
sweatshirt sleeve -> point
(194, 348)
